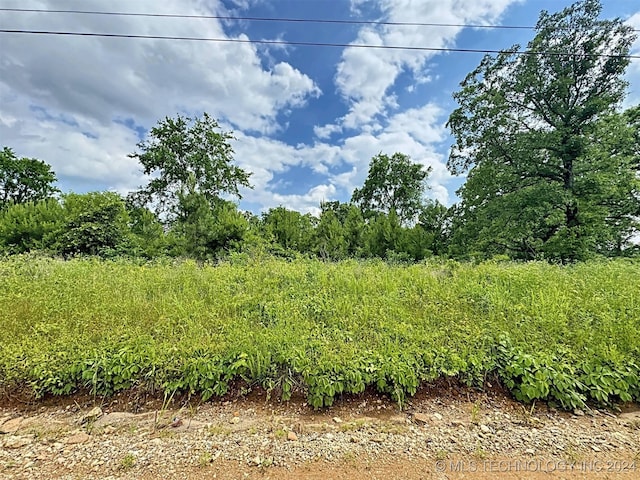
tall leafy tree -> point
(523, 133)
(181, 147)
(610, 189)
(393, 183)
(24, 179)
(434, 220)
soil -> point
(444, 432)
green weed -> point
(564, 334)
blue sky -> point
(307, 119)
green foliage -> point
(289, 230)
(352, 223)
(179, 149)
(95, 224)
(382, 234)
(30, 226)
(24, 179)
(393, 184)
(434, 220)
(331, 243)
(147, 237)
(563, 334)
(205, 232)
(551, 173)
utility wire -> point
(312, 44)
(264, 19)
(270, 19)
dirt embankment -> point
(442, 433)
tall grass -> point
(567, 334)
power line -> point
(270, 19)
(265, 19)
(310, 44)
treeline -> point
(552, 169)
(106, 224)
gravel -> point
(99, 441)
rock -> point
(578, 413)
(91, 416)
(11, 426)
(113, 418)
(329, 436)
(595, 449)
(185, 425)
(485, 429)
(18, 442)
(437, 416)
(398, 419)
(177, 422)
(235, 420)
(530, 451)
(337, 419)
(291, 436)
(421, 418)
(77, 439)
(628, 416)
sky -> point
(307, 120)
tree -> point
(382, 235)
(148, 238)
(610, 189)
(434, 220)
(393, 183)
(289, 229)
(182, 147)
(97, 223)
(523, 132)
(204, 231)
(30, 226)
(24, 179)
(330, 239)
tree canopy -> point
(526, 129)
(393, 183)
(181, 148)
(24, 179)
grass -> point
(565, 334)
(127, 462)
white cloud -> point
(309, 202)
(364, 76)
(325, 131)
(415, 132)
(147, 79)
(60, 96)
(84, 152)
(52, 89)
